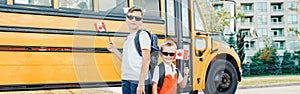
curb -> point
(269, 85)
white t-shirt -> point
(168, 71)
(131, 60)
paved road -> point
(271, 90)
(266, 90)
(295, 89)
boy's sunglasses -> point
(130, 17)
(166, 54)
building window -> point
(2, 1)
(248, 20)
(277, 32)
(262, 6)
(218, 7)
(252, 45)
(151, 7)
(247, 7)
(294, 45)
(276, 7)
(262, 32)
(261, 44)
(34, 2)
(262, 19)
(112, 6)
(277, 19)
(292, 19)
(279, 45)
(292, 5)
(76, 4)
(246, 32)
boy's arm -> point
(145, 65)
(154, 87)
(186, 75)
(144, 70)
(183, 82)
(112, 48)
(118, 54)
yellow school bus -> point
(53, 44)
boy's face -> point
(168, 53)
(134, 20)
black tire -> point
(222, 78)
(194, 92)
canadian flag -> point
(182, 54)
(100, 27)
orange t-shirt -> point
(170, 85)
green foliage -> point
(271, 61)
(267, 59)
(231, 41)
(257, 68)
(246, 69)
(268, 55)
(288, 65)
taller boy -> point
(134, 67)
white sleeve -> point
(180, 78)
(145, 41)
(156, 74)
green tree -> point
(231, 41)
(288, 65)
(256, 66)
(270, 60)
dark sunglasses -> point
(130, 17)
(166, 54)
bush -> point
(288, 65)
(246, 69)
(257, 68)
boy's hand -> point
(111, 47)
(140, 89)
(186, 71)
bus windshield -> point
(218, 15)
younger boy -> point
(171, 76)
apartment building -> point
(271, 19)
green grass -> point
(269, 79)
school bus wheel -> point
(221, 79)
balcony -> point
(277, 22)
(277, 19)
(277, 7)
(247, 7)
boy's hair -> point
(133, 8)
(167, 43)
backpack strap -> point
(177, 73)
(137, 40)
(161, 67)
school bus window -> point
(197, 19)
(76, 4)
(34, 2)
(170, 16)
(151, 7)
(2, 1)
(112, 6)
(185, 18)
